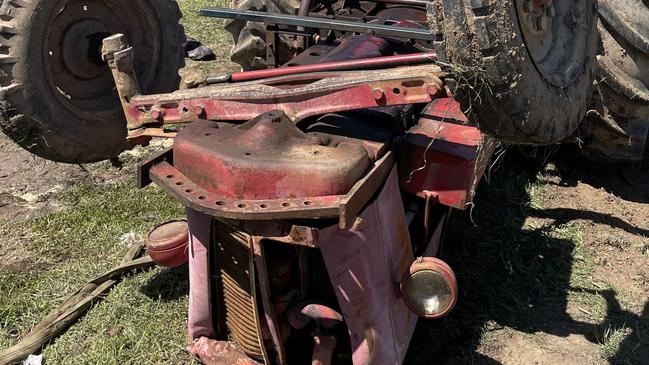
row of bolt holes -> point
(240, 205)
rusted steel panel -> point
(342, 206)
(364, 264)
(298, 96)
(267, 158)
(440, 155)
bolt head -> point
(378, 94)
(197, 109)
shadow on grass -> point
(625, 180)
(170, 284)
(520, 276)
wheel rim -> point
(72, 52)
(556, 35)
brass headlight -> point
(429, 288)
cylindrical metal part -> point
(366, 63)
(167, 244)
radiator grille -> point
(235, 285)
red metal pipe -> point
(366, 63)
(299, 316)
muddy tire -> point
(57, 97)
(249, 38)
(622, 98)
(525, 73)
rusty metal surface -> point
(298, 96)
(364, 263)
(197, 198)
(268, 157)
(210, 351)
(366, 64)
(440, 156)
(143, 177)
(236, 283)
(270, 311)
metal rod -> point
(310, 22)
(305, 6)
(366, 63)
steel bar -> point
(298, 96)
(366, 64)
(309, 22)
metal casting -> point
(344, 207)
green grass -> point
(143, 318)
(523, 270)
(209, 31)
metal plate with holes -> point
(346, 207)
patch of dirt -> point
(614, 227)
(27, 181)
(610, 205)
(514, 348)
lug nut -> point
(378, 94)
(156, 114)
(198, 110)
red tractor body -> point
(317, 197)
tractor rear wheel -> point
(525, 68)
(249, 48)
(622, 98)
(57, 96)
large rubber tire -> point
(623, 73)
(519, 94)
(249, 38)
(57, 98)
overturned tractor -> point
(319, 180)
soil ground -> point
(552, 262)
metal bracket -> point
(345, 207)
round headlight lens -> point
(429, 288)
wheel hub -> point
(72, 52)
(555, 37)
(536, 18)
(81, 49)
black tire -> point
(57, 98)
(249, 38)
(623, 73)
(513, 76)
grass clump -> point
(64, 249)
